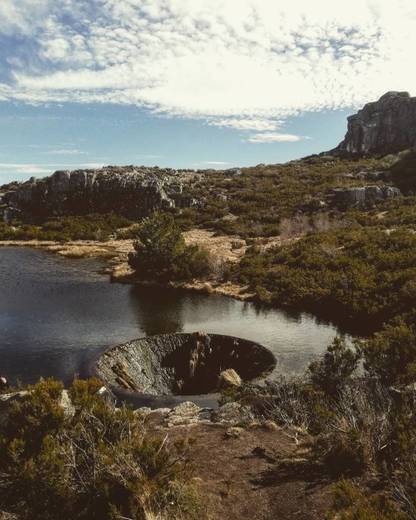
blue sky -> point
(190, 83)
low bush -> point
(350, 502)
(89, 462)
(87, 227)
(360, 274)
(331, 372)
(390, 354)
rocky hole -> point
(182, 364)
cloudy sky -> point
(191, 83)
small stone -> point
(234, 432)
(229, 379)
(161, 411)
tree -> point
(162, 254)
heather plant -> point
(88, 460)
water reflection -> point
(56, 314)
(156, 311)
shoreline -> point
(115, 254)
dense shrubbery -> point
(87, 227)
(360, 273)
(161, 253)
(88, 462)
(254, 203)
(363, 423)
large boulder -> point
(381, 127)
(362, 196)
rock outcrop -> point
(130, 191)
(382, 127)
(362, 196)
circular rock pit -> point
(181, 364)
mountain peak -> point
(381, 127)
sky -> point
(191, 83)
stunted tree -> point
(162, 254)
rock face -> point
(362, 196)
(382, 127)
(130, 191)
(181, 364)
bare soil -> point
(259, 475)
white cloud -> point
(274, 138)
(247, 124)
(65, 151)
(215, 163)
(42, 169)
(28, 169)
(242, 64)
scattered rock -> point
(234, 432)
(229, 379)
(184, 414)
(234, 172)
(233, 413)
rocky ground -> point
(244, 468)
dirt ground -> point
(249, 476)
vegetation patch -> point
(89, 460)
(161, 253)
(88, 227)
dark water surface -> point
(56, 314)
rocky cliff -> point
(382, 127)
(130, 191)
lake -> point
(56, 314)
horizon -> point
(187, 85)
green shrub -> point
(391, 353)
(94, 462)
(361, 273)
(351, 503)
(334, 369)
(161, 253)
(86, 227)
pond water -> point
(56, 314)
